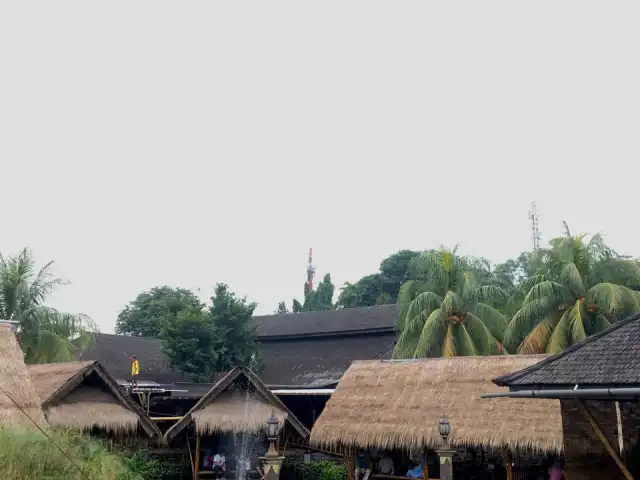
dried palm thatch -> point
(238, 402)
(235, 412)
(48, 378)
(16, 383)
(408, 398)
(71, 401)
(86, 408)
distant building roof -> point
(113, 351)
(319, 362)
(327, 322)
(311, 349)
(608, 358)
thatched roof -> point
(227, 408)
(15, 382)
(83, 396)
(236, 411)
(398, 405)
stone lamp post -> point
(445, 452)
(272, 460)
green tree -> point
(381, 287)
(296, 306)
(321, 298)
(282, 308)
(205, 343)
(448, 311)
(146, 315)
(45, 335)
(582, 286)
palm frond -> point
(449, 348)
(576, 316)
(526, 319)
(492, 319)
(537, 340)
(432, 341)
(560, 337)
(571, 279)
(477, 337)
(548, 289)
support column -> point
(197, 461)
(603, 438)
(446, 462)
(272, 463)
(509, 464)
(425, 465)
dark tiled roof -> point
(315, 362)
(382, 317)
(302, 349)
(113, 351)
(610, 357)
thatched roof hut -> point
(398, 405)
(83, 396)
(16, 385)
(238, 402)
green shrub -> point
(294, 469)
(27, 455)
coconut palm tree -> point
(45, 334)
(582, 286)
(449, 308)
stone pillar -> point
(446, 463)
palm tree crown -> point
(45, 334)
(581, 288)
(449, 308)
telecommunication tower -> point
(535, 226)
(311, 271)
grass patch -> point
(28, 455)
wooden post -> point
(348, 457)
(193, 467)
(425, 465)
(197, 469)
(603, 438)
(509, 460)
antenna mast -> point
(311, 271)
(535, 226)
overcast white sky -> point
(189, 143)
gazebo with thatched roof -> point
(239, 403)
(397, 405)
(83, 396)
(19, 403)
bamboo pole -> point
(193, 468)
(197, 469)
(509, 460)
(603, 438)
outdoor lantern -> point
(444, 428)
(273, 428)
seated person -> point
(219, 465)
(362, 466)
(385, 465)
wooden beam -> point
(603, 438)
(197, 472)
(162, 419)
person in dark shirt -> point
(362, 466)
